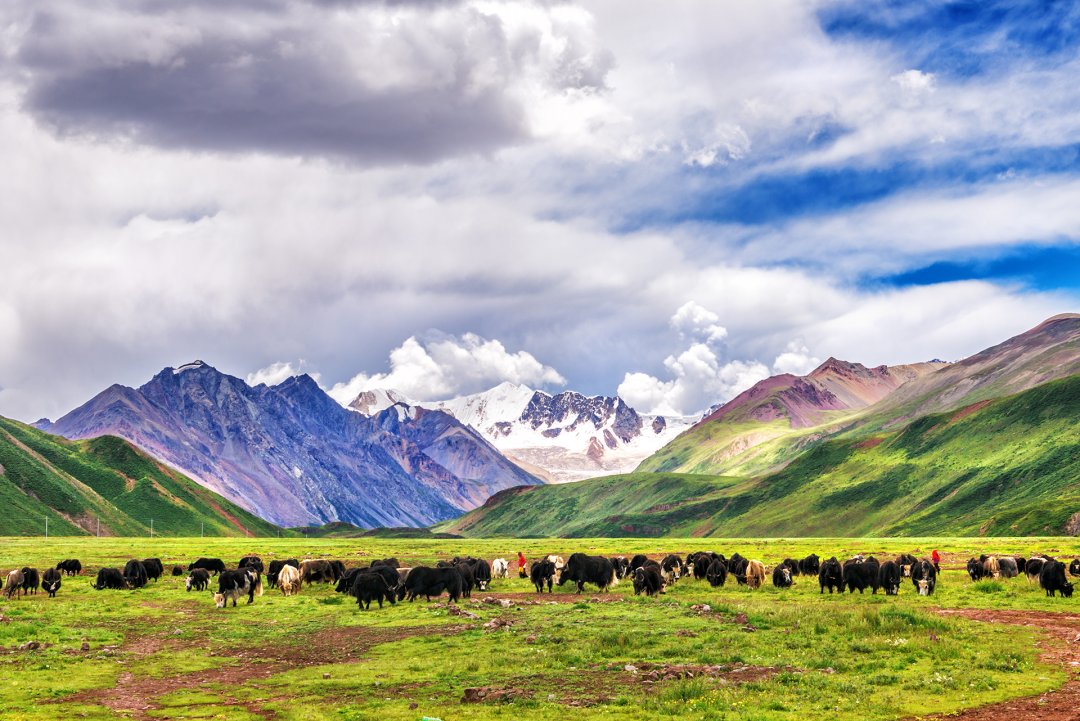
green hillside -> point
(106, 481)
(1006, 467)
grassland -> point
(105, 484)
(767, 655)
(1005, 467)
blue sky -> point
(441, 196)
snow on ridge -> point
(188, 366)
(570, 449)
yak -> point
(582, 569)
(51, 581)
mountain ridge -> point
(289, 452)
(105, 485)
(564, 437)
(986, 445)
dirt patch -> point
(1060, 645)
(133, 697)
(870, 443)
(967, 411)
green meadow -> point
(162, 652)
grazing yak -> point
(369, 585)
(755, 574)
(319, 571)
(671, 568)
(699, 563)
(859, 575)
(70, 567)
(792, 566)
(638, 561)
(275, 568)
(154, 569)
(889, 575)
(198, 580)
(428, 582)
(500, 568)
(178, 570)
(135, 573)
(582, 569)
(481, 573)
(974, 569)
(736, 566)
(1074, 567)
(31, 580)
(781, 576)
(14, 583)
(924, 577)
(288, 580)
(392, 578)
(213, 565)
(622, 567)
(392, 575)
(542, 572)
(810, 566)
(1033, 568)
(990, 566)
(234, 584)
(468, 579)
(51, 582)
(647, 579)
(831, 576)
(906, 561)
(1007, 567)
(110, 578)
(251, 562)
(716, 574)
(1052, 579)
(345, 582)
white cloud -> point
(698, 380)
(795, 359)
(277, 372)
(450, 366)
(698, 377)
(914, 81)
(696, 322)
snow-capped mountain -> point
(563, 437)
(291, 454)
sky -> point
(669, 201)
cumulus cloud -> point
(698, 376)
(444, 367)
(795, 359)
(277, 372)
(699, 380)
(695, 321)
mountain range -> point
(294, 456)
(563, 437)
(986, 445)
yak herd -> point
(387, 580)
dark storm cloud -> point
(334, 79)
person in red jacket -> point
(522, 573)
(936, 558)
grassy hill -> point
(106, 481)
(1004, 467)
